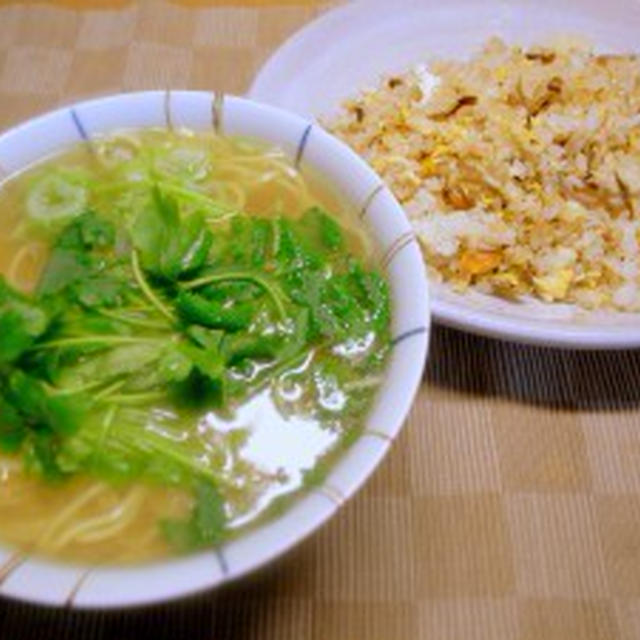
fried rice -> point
(519, 168)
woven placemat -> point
(509, 508)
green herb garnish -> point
(164, 313)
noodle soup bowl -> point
(40, 580)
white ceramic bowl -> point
(308, 75)
(44, 581)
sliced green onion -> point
(192, 165)
(55, 198)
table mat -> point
(509, 507)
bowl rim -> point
(40, 580)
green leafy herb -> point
(13, 430)
(73, 259)
(141, 326)
(206, 525)
(21, 322)
(196, 309)
(169, 245)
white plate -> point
(350, 47)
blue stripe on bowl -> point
(82, 132)
(335, 495)
(302, 145)
(402, 241)
(369, 199)
(217, 111)
(75, 590)
(405, 335)
(222, 561)
(379, 435)
(14, 561)
(167, 109)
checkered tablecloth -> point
(508, 509)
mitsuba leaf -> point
(175, 366)
(55, 414)
(323, 229)
(260, 242)
(96, 233)
(86, 233)
(308, 289)
(168, 245)
(12, 428)
(41, 456)
(206, 525)
(65, 267)
(299, 338)
(196, 309)
(181, 535)
(208, 362)
(96, 292)
(14, 339)
(294, 251)
(206, 338)
(110, 364)
(196, 367)
(195, 242)
(72, 258)
(21, 322)
(240, 347)
(209, 514)
(237, 291)
(374, 295)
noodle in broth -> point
(89, 519)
